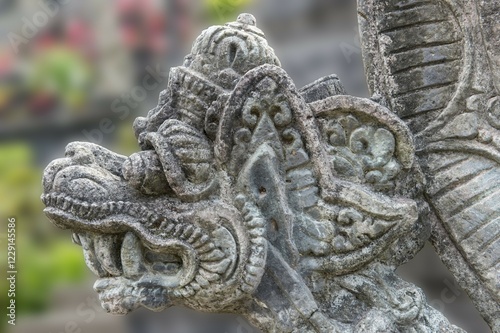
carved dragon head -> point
(139, 236)
(245, 184)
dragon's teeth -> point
(213, 255)
(120, 205)
(112, 206)
(90, 256)
(201, 241)
(76, 239)
(194, 237)
(135, 210)
(84, 207)
(216, 267)
(187, 291)
(256, 223)
(105, 208)
(202, 281)
(102, 211)
(256, 232)
(195, 286)
(66, 205)
(60, 200)
(81, 212)
(131, 252)
(257, 262)
(94, 210)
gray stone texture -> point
(436, 65)
(293, 207)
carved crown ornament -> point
(293, 207)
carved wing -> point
(437, 65)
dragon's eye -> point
(165, 263)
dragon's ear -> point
(270, 143)
(436, 64)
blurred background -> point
(67, 66)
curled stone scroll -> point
(291, 207)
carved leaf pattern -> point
(362, 153)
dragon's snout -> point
(151, 253)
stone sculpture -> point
(292, 207)
(444, 81)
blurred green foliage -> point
(221, 11)
(42, 268)
(60, 71)
(125, 142)
(45, 259)
(19, 181)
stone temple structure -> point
(293, 207)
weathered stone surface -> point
(445, 85)
(292, 207)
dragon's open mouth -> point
(135, 251)
(133, 254)
(105, 253)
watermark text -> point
(11, 271)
